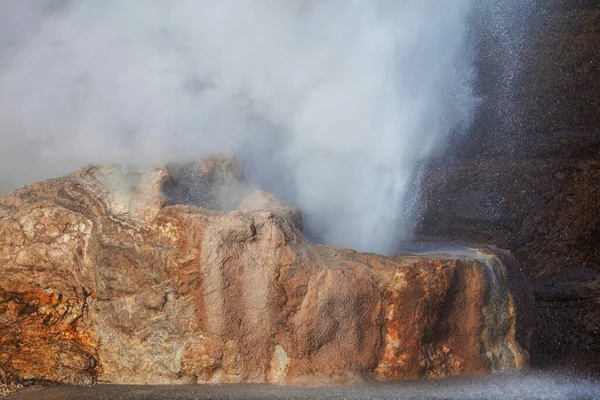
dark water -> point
(497, 386)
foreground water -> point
(498, 386)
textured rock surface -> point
(259, 200)
(7, 389)
(105, 279)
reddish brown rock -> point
(105, 279)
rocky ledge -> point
(126, 275)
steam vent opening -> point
(215, 183)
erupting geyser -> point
(332, 105)
(159, 261)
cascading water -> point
(500, 29)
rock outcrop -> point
(119, 274)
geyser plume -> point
(332, 105)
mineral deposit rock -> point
(259, 200)
(110, 275)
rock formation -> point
(121, 274)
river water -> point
(531, 385)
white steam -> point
(331, 104)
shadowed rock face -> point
(533, 185)
(105, 279)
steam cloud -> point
(332, 105)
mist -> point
(332, 105)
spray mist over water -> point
(333, 105)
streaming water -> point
(534, 385)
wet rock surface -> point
(105, 279)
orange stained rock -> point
(181, 294)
